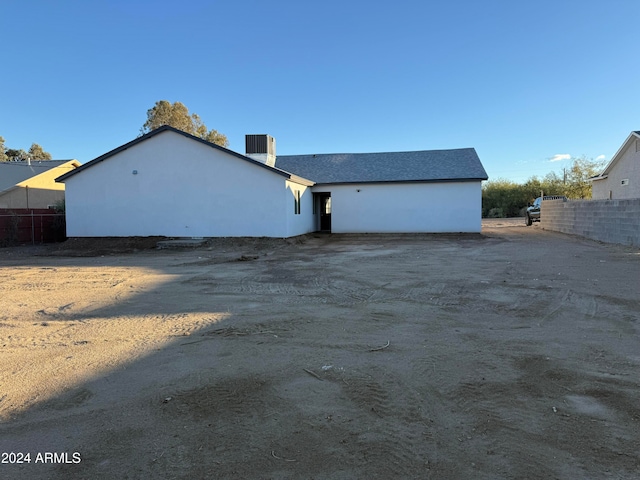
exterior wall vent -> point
(624, 181)
(261, 148)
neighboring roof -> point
(12, 173)
(460, 164)
(634, 135)
(165, 128)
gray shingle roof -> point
(422, 166)
(12, 173)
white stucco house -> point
(170, 183)
(620, 178)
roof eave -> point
(300, 180)
(7, 190)
(437, 180)
(618, 154)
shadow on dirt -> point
(499, 355)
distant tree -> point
(177, 116)
(553, 184)
(36, 152)
(504, 198)
(531, 189)
(577, 177)
(16, 155)
(3, 155)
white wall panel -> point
(182, 188)
(406, 207)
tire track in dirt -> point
(238, 397)
(234, 408)
(424, 292)
(543, 407)
(391, 446)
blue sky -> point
(521, 82)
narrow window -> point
(296, 203)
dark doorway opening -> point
(324, 208)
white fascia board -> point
(614, 159)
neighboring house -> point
(31, 184)
(620, 179)
(170, 183)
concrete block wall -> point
(611, 221)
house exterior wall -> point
(31, 197)
(182, 188)
(405, 207)
(39, 191)
(626, 168)
(305, 221)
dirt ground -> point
(510, 354)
